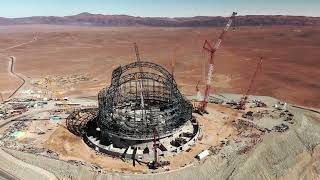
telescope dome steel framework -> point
(142, 97)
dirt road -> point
(30, 112)
(4, 175)
(22, 44)
(16, 75)
(11, 67)
(17, 169)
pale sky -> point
(159, 8)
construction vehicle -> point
(212, 49)
(242, 104)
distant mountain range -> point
(87, 19)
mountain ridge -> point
(88, 19)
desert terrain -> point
(290, 69)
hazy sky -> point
(168, 8)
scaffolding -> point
(121, 113)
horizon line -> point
(157, 16)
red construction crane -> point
(212, 50)
(154, 164)
(242, 103)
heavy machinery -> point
(242, 104)
(153, 164)
(211, 49)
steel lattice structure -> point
(77, 121)
(137, 102)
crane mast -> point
(136, 49)
(140, 69)
(173, 61)
(212, 50)
(254, 75)
(155, 146)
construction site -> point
(141, 125)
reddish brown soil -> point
(70, 147)
(290, 69)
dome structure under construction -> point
(141, 114)
(142, 97)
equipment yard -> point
(40, 135)
(226, 132)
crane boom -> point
(140, 69)
(155, 146)
(242, 102)
(212, 50)
(173, 61)
(136, 49)
(254, 75)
